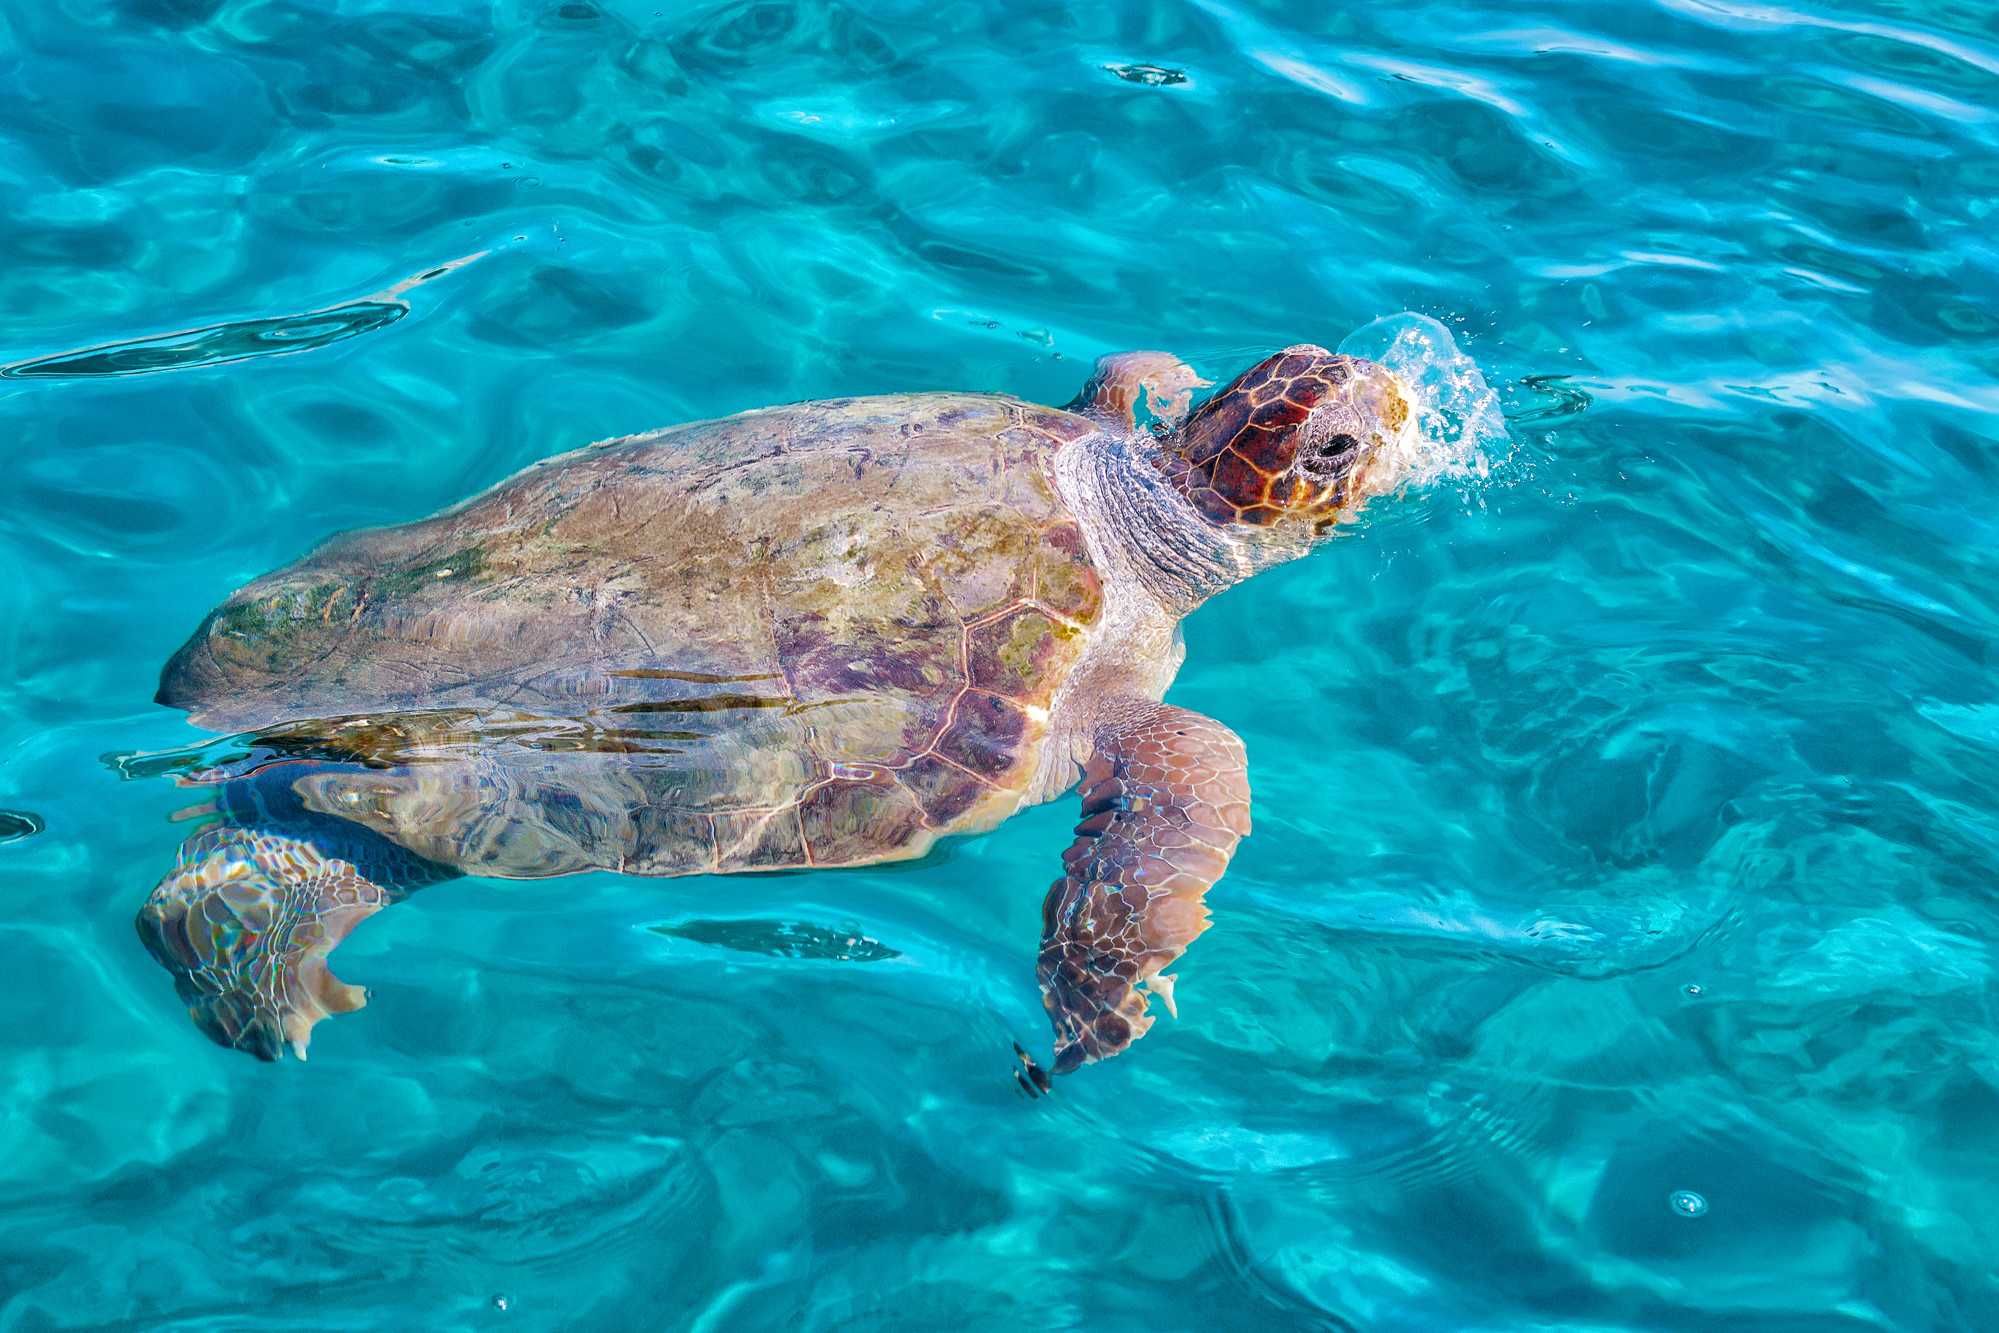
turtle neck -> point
(1144, 535)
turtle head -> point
(1294, 444)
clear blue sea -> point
(1625, 818)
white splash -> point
(1460, 432)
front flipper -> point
(1138, 389)
(1165, 800)
(244, 922)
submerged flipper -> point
(249, 912)
(1165, 801)
(244, 922)
(1138, 389)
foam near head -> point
(1458, 431)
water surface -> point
(1625, 824)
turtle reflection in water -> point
(809, 636)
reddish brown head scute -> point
(1288, 437)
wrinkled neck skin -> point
(1147, 537)
(1158, 559)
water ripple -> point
(1625, 819)
(238, 340)
(782, 939)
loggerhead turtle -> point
(808, 636)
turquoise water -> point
(1625, 825)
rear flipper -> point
(1165, 800)
(244, 922)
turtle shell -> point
(805, 636)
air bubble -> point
(503, 1302)
(1692, 989)
(1686, 1203)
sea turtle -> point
(809, 636)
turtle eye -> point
(1333, 456)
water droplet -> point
(1686, 1203)
(1459, 429)
(503, 1302)
(1692, 989)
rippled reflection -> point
(1152, 76)
(782, 939)
(240, 340)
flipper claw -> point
(1033, 1079)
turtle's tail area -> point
(244, 921)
